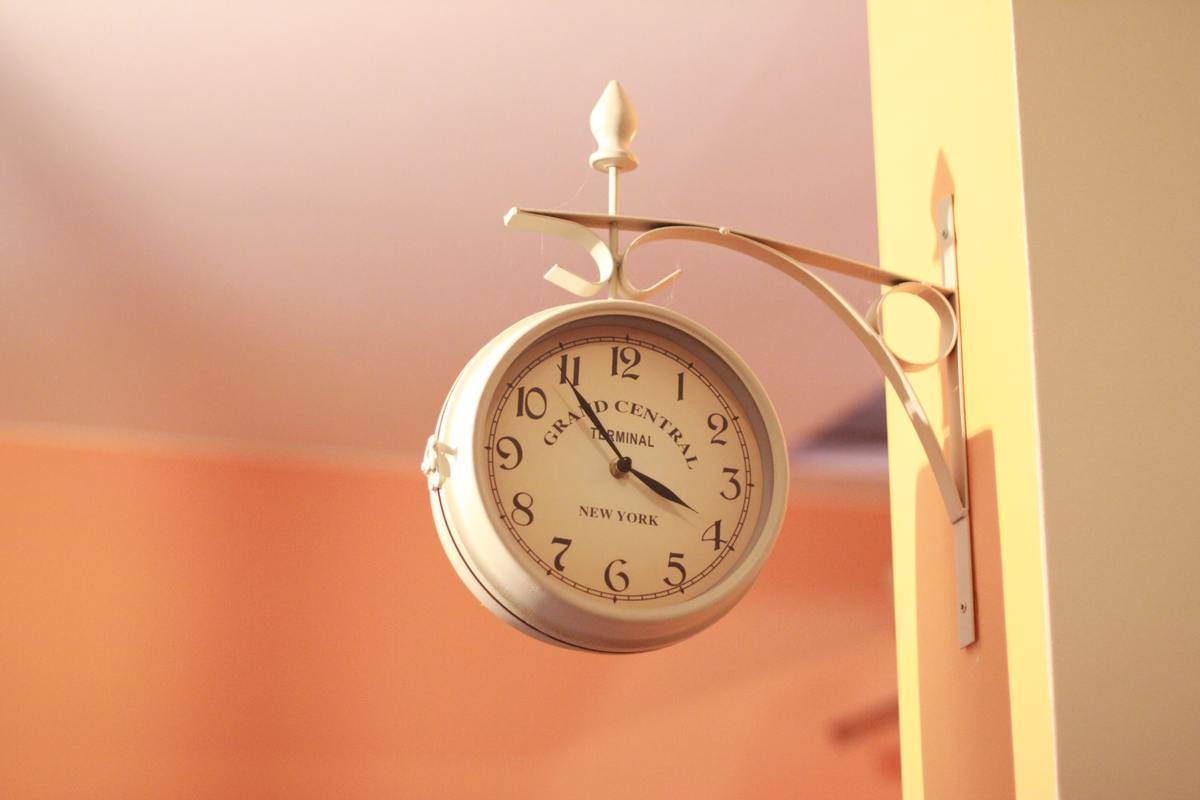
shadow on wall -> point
(978, 703)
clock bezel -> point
(510, 584)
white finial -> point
(614, 124)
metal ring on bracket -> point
(947, 320)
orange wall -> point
(190, 625)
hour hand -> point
(659, 489)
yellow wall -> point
(977, 722)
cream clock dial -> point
(608, 476)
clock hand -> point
(625, 464)
(587, 409)
(659, 489)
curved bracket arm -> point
(870, 338)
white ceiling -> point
(279, 224)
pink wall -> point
(280, 223)
(189, 625)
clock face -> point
(624, 460)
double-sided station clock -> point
(612, 476)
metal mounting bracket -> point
(956, 441)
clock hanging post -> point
(614, 123)
(614, 177)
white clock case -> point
(514, 588)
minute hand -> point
(659, 489)
(587, 409)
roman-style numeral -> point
(624, 359)
(531, 403)
(574, 370)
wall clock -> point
(613, 476)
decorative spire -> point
(614, 124)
